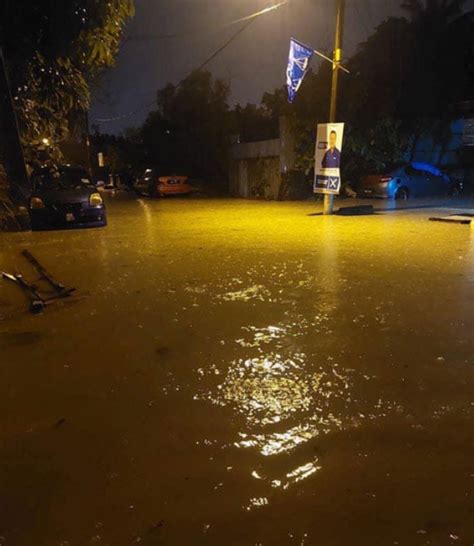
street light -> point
(45, 141)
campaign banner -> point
(327, 173)
(298, 63)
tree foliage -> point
(190, 127)
(55, 51)
(414, 69)
(253, 123)
(375, 148)
(405, 80)
(123, 154)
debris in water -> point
(38, 301)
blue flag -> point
(298, 63)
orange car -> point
(158, 186)
(173, 185)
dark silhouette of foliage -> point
(405, 81)
(55, 51)
(191, 126)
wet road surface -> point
(241, 373)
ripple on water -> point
(273, 390)
(287, 397)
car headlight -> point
(36, 203)
(95, 200)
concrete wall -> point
(257, 168)
(255, 150)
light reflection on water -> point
(290, 478)
(285, 398)
(270, 389)
(256, 292)
(301, 473)
(286, 379)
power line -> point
(206, 31)
(249, 19)
(229, 41)
(201, 66)
(124, 116)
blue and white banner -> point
(298, 63)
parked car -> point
(65, 197)
(154, 185)
(409, 180)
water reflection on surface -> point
(286, 398)
(240, 374)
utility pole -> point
(340, 7)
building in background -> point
(265, 169)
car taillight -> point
(95, 200)
(36, 203)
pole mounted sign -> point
(327, 174)
(327, 179)
(298, 64)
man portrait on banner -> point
(332, 157)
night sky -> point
(254, 63)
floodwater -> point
(236, 373)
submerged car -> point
(154, 185)
(409, 180)
(65, 197)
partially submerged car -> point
(155, 185)
(409, 180)
(64, 197)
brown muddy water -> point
(241, 374)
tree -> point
(413, 69)
(190, 127)
(405, 79)
(310, 108)
(253, 123)
(377, 83)
(374, 148)
(123, 154)
(55, 52)
(442, 72)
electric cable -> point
(249, 19)
(244, 19)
